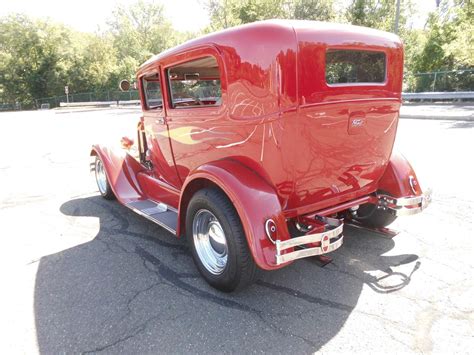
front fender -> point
(121, 171)
(254, 199)
(399, 179)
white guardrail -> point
(98, 103)
(458, 95)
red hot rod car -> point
(258, 142)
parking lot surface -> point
(81, 274)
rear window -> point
(354, 66)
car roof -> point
(335, 33)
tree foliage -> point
(378, 14)
(228, 13)
(141, 30)
(445, 44)
(39, 57)
(321, 10)
(35, 57)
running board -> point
(157, 212)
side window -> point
(354, 66)
(152, 91)
(195, 84)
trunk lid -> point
(349, 89)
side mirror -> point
(124, 85)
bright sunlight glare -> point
(91, 15)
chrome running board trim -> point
(163, 215)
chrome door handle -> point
(160, 120)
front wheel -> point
(102, 180)
(217, 241)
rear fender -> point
(399, 179)
(253, 198)
(121, 171)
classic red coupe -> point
(258, 142)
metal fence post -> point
(434, 81)
(397, 17)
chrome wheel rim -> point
(101, 177)
(210, 241)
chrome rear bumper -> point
(404, 206)
(334, 230)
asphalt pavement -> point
(84, 275)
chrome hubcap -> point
(100, 176)
(210, 242)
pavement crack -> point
(175, 279)
(122, 339)
(306, 297)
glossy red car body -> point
(283, 143)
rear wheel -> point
(217, 241)
(102, 180)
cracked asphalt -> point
(84, 275)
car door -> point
(195, 111)
(159, 151)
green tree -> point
(229, 13)
(94, 65)
(38, 58)
(140, 30)
(321, 10)
(34, 58)
(449, 38)
(222, 13)
(460, 47)
(379, 14)
(448, 45)
(257, 10)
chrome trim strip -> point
(171, 208)
(161, 224)
(404, 211)
(304, 253)
(402, 201)
(409, 201)
(310, 238)
(398, 206)
(323, 238)
(159, 208)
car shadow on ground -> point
(134, 288)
